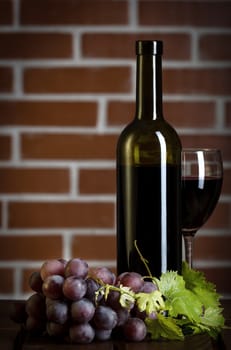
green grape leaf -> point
(184, 303)
(170, 282)
(164, 327)
(127, 297)
(150, 302)
(212, 317)
(196, 279)
(179, 300)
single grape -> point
(134, 329)
(52, 267)
(131, 279)
(103, 274)
(56, 329)
(113, 299)
(149, 287)
(92, 288)
(81, 333)
(57, 312)
(82, 310)
(53, 286)
(35, 325)
(103, 334)
(36, 282)
(74, 288)
(122, 316)
(105, 317)
(76, 267)
(35, 306)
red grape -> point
(35, 306)
(56, 329)
(82, 333)
(105, 317)
(74, 288)
(134, 329)
(53, 286)
(52, 267)
(82, 310)
(57, 312)
(76, 267)
(36, 282)
(148, 287)
(131, 279)
(35, 325)
(103, 274)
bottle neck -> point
(149, 87)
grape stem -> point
(144, 261)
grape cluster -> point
(66, 303)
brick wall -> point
(67, 88)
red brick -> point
(97, 247)
(5, 147)
(212, 248)
(212, 81)
(77, 80)
(25, 247)
(48, 113)
(185, 13)
(221, 277)
(215, 47)
(111, 45)
(37, 180)
(60, 214)
(120, 112)
(6, 79)
(6, 12)
(97, 181)
(35, 45)
(68, 146)
(180, 114)
(7, 280)
(190, 114)
(82, 12)
(211, 140)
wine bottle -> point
(149, 177)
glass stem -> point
(188, 242)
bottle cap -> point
(149, 47)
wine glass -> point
(202, 175)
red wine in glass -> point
(201, 188)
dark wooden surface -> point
(12, 337)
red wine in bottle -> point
(149, 177)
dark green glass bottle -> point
(149, 176)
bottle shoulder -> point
(145, 142)
(141, 131)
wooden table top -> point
(12, 337)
